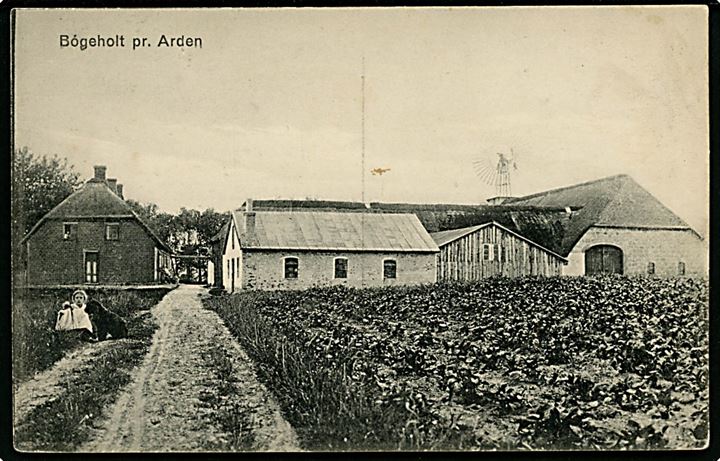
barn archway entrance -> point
(603, 259)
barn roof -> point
(336, 231)
(445, 237)
(614, 201)
(95, 199)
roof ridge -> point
(602, 216)
(572, 186)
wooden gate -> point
(603, 259)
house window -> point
(91, 266)
(112, 231)
(389, 269)
(341, 268)
(487, 252)
(68, 230)
(291, 268)
(651, 268)
(681, 268)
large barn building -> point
(94, 237)
(292, 250)
(616, 226)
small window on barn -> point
(341, 265)
(389, 269)
(68, 230)
(681, 268)
(488, 252)
(112, 231)
(651, 268)
(291, 268)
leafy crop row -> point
(505, 363)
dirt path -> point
(195, 391)
(47, 385)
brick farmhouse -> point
(94, 237)
(292, 250)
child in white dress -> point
(73, 316)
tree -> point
(39, 184)
(189, 232)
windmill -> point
(497, 175)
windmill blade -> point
(486, 171)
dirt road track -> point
(165, 407)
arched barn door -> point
(603, 259)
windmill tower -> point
(497, 175)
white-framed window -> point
(389, 269)
(340, 268)
(291, 266)
(681, 268)
(91, 266)
(112, 231)
(69, 230)
(488, 253)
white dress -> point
(73, 318)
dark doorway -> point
(603, 259)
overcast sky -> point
(270, 106)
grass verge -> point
(37, 346)
(65, 422)
(229, 411)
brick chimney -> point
(112, 182)
(120, 191)
(249, 218)
(100, 172)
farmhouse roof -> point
(445, 237)
(614, 201)
(337, 231)
(543, 225)
(95, 199)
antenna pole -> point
(362, 82)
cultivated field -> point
(558, 363)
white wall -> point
(265, 269)
(663, 247)
(211, 273)
(232, 254)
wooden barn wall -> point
(463, 260)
